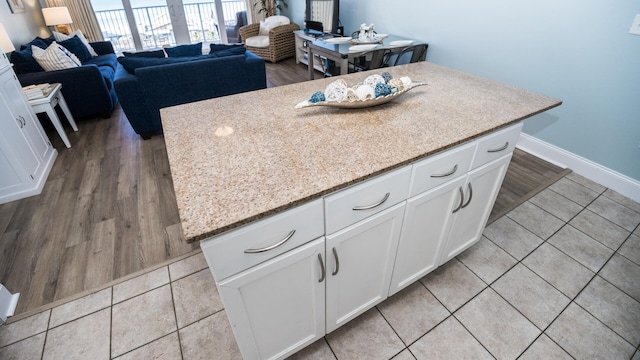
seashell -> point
(365, 92)
(372, 80)
(397, 83)
(406, 81)
(336, 91)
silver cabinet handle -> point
(369, 207)
(461, 200)
(21, 121)
(254, 251)
(323, 273)
(470, 196)
(335, 256)
(504, 147)
(453, 171)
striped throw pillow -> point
(55, 57)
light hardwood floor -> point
(108, 209)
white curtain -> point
(252, 12)
(83, 16)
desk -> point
(47, 104)
(340, 52)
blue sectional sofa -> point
(145, 85)
(87, 89)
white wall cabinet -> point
(360, 262)
(322, 264)
(26, 155)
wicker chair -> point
(282, 44)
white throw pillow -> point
(260, 41)
(61, 37)
(271, 22)
(55, 57)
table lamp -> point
(5, 42)
(58, 17)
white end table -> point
(48, 103)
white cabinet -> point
(277, 307)
(26, 155)
(426, 226)
(470, 218)
(359, 265)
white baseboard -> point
(613, 180)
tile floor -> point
(557, 277)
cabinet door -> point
(14, 123)
(481, 191)
(426, 224)
(29, 143)
(359, 265)
(277, 307)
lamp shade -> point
(5, 42)
(56, 16)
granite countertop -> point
(239, 158)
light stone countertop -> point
(278, 157)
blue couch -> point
(145, 85)
(87, 89)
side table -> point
(48, 103)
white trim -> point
(613, 180)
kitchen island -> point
(309, 217)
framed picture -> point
(16, 6)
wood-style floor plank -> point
(108, 208)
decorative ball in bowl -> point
(374, 90)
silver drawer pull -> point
(470, 196)
(453, 171)
(369, 207)
(322, 271)
(504, 147)
(335, 255)
(254, 251)
(461, 200)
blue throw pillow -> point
(39, 42)
(184, 50)
(217, 50)
(23, 61)
(77, 47)
(151, 54)
(132, 63)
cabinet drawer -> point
(360, 201)
(240, 249)
(494, 146)
(441, 168)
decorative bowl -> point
(358, 104)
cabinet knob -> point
(470, 196)
(21, 121)
(322, 269)
(461, 200)
(335, 256)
